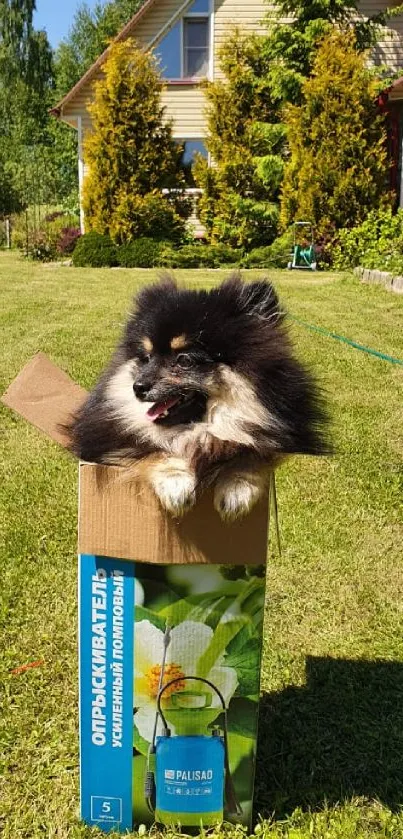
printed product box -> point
(171, 625)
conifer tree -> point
(131, 154)
(338, 163)
(239, 202)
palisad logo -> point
(188, 774)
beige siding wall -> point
(78, 105)
(156, 20)
(228, 13)
(389, 50)
(185, 105)
(248, 14)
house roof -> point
(122, 35)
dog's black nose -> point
(140, 390)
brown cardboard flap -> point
(123, 519)
(45, 396)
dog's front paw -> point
(176, 490)
(235, 499)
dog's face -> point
(172, 378)
(221, 357)
(181, 347)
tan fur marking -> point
(147, 344)
(180, 342)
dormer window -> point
(184, 52)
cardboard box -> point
(163, 603)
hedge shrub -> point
(143, 253)
(239, 202)
(376, 243)
(276, 255)
(95, 250)
(337, 168)
(203, 256)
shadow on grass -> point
(340, 735)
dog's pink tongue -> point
(159, 408)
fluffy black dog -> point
(203, 389)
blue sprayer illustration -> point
(188, 781)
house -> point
(186, 35)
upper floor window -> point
(196, 42)
(184, 52)
(199, 7)
(169, 53)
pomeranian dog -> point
(204, 389)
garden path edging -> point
(385, 278)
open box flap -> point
(45, 396)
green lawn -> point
(331, 737)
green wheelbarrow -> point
(303, 254)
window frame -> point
(179, 20)
(209, 16)
(202, 19)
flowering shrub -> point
(40, 240)
(68, 240)
(41, 248)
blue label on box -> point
(106, 691)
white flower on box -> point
(188, 643)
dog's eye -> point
(144, 359)
(184, 360)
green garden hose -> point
(347, 341)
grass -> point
(331, 739)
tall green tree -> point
(337, 169)
(16, 32)
(131, 154)
(26, 81)
(89, 35)
(245, 140)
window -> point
(184, 52)
(199, 7)
(190, 149)
(196, 43)
(168, 53)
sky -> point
(56, 17)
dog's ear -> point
(261, 301)
(258, 299)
